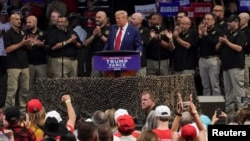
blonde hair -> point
(122, 13)
(36, 119)
(110, 115)
(147, 135)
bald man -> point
(244, 20)
(185, 57)
(16, 43)
(96, 41)
(36, 52)
(136, 20)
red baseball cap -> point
(125, 123)
(34, 105)
(188, 131)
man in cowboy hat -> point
(53, 128)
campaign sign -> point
(244, 5)
(200, 9)
(169, 9)
(184, 2)
(146, 10)
(190, 11)
(107, 62)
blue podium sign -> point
(116, 60)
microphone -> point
(98, 23)
(157, 29)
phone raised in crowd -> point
(218, 112)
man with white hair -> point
(136, 20)
(244, 19)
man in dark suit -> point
(123, 36)
(129, 37)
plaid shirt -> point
(22, 133)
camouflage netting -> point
(91, 94)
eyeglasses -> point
(184, 23)
(179, 16)
(216, 10)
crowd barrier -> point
(90, 94)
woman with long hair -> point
(35, 117)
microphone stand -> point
(159, 57)
(157, 43)
(62, 69)
(62, 57)
(62, 64)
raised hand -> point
(180, 103)
(223, 39)
(177, 31)
(192, 108)
(169, 34)
(98, 30)
(202, 29)
(26, 41)
(152, 33)
(73, 38)
(65, 98)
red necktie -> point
(118, 40)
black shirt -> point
(50, 31)
(246, 30)
(221, 27)
(186, 59)
(37, 54)
(207, 43)
(17, 58)
(97, 44)
(231, 58)
(59, 36)
(155, 51)
(144, 32)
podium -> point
(117, 63)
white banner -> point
(146, 9)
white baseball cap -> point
(120, 112)
(54, 114)
(162, 111)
